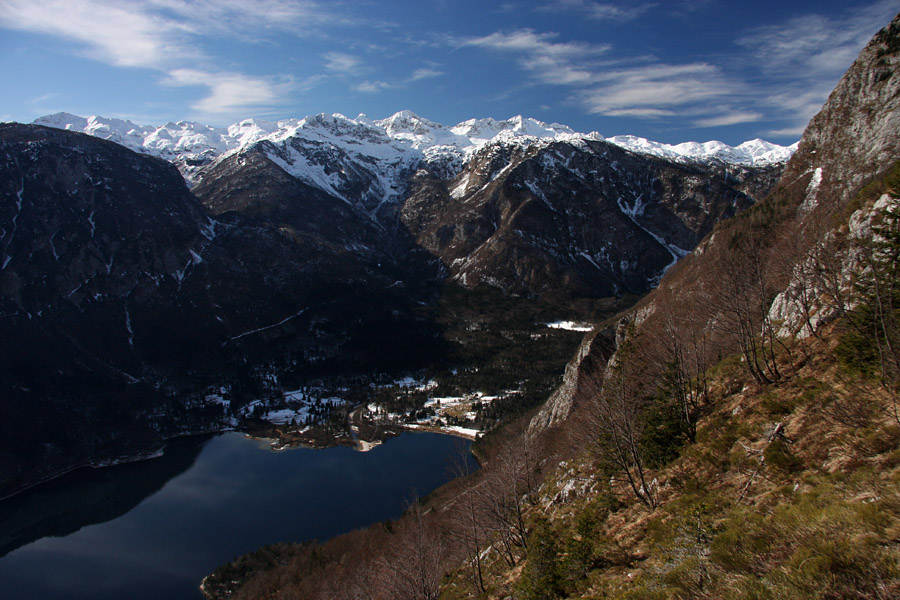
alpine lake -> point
(154, 528)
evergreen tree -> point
(541, 576)
(873, 346)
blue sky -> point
(671, 70)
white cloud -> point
(659, 90)
(240, 17)
(424, 73)
(730, 118)
(341, 63)
(601, 11)
(44, 97)
(805, 57)
(815, 45)
(783, 74)
(549, 61)
(230, 93)
(161, 33)
(169, 36)
(541, 44)
(795, 131)
(554, 71)
(640, 113)
(653, 90)
(117, 33)
(797, 99)
(371, 87)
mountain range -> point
(447, 184)
(402, 140)
(142, 264)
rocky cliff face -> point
(850, 143)
(93, 236)
(575, 217)
(111, 265)
(590, 360)
(854, 138)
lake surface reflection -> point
(154, 529)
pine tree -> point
(873, 346)
(541, 576)
(879, 292)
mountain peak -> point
(62, 120)
(192, 145)
(407, 122)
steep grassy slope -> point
(789, 491)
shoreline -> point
(103, 463)
(277, 443)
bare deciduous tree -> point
(614, 422)
(414, 567)
(504, 497)
(743, 296)
(686, 352)
(467, 526)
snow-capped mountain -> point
(398, 142)
(443, 184)
(577, 215)
(756, 153)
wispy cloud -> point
(156, 33)
(815, 45)
(371, 87)
(424, 73)
(656, 90)
(549, 61)
(167, 36)
(805, 57)
(300, 17)
(341, 63)
(230, 93)
(117, 33)
(601, 84)
(777, 76)
(784, 73)
(729, 118)
(527, 40)
(795, 131)
(600, 11)
(44, 97)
